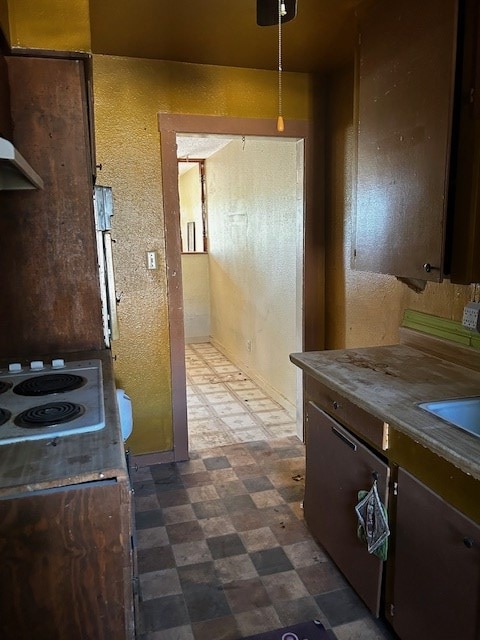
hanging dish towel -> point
(373, 522)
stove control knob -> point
(14, 367)
(58, 363)
(36, 365)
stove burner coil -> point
(48, 383)
(4, 416)
(4, 386)
(47, 415)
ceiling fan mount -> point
(267, 12)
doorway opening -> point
(239, 228)
(240, 296)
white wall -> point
(252, 222)
(196, 297)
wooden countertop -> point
(389, 381)
(98, 455)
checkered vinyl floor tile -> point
(223, 551)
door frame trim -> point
(313, 280)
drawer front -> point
(372, 429)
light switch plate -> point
(151, 259)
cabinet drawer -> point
(372, 429)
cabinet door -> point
(437, 567)
(48, 258)
(404, 105)
(337, 467)
(66, 564)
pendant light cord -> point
(281, 12)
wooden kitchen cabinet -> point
(66, 563)
(436, 587)
(418, 143)
(338, 465)
(48, 258)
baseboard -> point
(259, 381)
(197, 339)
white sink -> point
(461, 412)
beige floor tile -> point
(258, 539)
(235, 567)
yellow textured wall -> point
(129, 93)
(364, 308)
(50, 24)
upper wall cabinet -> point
(416, 202)
(48, 255)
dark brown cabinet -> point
(66, 563)
(50, 286)
(417, 141)
(436, 592)
(430, 584)
(338, 466)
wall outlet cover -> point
(471, 316)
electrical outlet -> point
(471, 316)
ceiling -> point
(224, 32)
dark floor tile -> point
(197, 479)
(163, 613)
(218, 629)
(155, 559)
(184, 532)
(244, 595)
(164, 472)
(173, 498)
(289, 452)
(238, 503)
(143, 489)
(249, 471)
(257, 446)
(294, 493)
(260, 483)
(149, 519)
(271, 561)
(294, 611)
(321, 577)
(176, 484)
(341, 606)
(201, 573)
(218, 462)
(205, 601)
(225, 546)
(209, 509)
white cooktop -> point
(88, 398)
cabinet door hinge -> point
(392, 610)
(395, 488)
